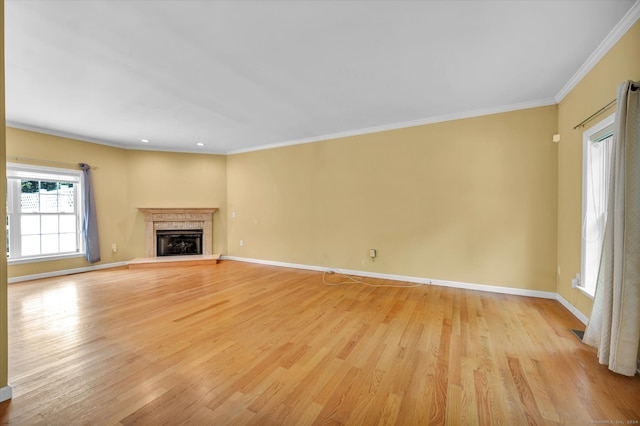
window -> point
(44, 213)
(596, 161)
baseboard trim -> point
(65, 272)
(6, 393)
(417, 280)
(576, 313)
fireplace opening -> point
(181, 242)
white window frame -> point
(17, 172)
(589, 137)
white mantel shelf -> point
(161, 218)
(169, 210)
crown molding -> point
(81, 138)
(402, 125)
(356, 132)
(610, 40)
(61, 134)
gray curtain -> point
(614, 326)
(90, 222)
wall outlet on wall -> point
(576, 281)
(372, 253)
(114, 247)
(241, 243)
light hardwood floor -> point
(240, 343)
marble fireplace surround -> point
(176, 219)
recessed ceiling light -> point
(144, 140)
(200, 144)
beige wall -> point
(162, 179)
(3, 201)
(595, 90)
(123, 181)
(471, 200)
(109, 176)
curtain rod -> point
(586, 120)
(37, 160)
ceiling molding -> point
(610, 40)
(402, 125)
(356, 132)
(61, 134)
(81, 138)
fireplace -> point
(181, 242)
(178, 232)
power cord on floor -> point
(357, 280)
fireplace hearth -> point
(181, 242)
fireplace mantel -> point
(165, 210)
(177, 218)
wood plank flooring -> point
(238, 343)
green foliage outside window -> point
(31, 186)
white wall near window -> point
(44, 213)
(596, 161)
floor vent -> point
(578, 333)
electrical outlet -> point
(575, 282)
(372, 253)
(241, 243)
(114, 247)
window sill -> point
(585, 292)
(43, 258)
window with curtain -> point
(44, 213)
(597, 143)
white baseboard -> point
(65, 272)
(576, 313)
(418, 280)
(6, 393)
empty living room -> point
(291, 212)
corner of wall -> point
(4, 340)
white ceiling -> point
(242, 75)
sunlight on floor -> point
(56, 308)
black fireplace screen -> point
(179, 242)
